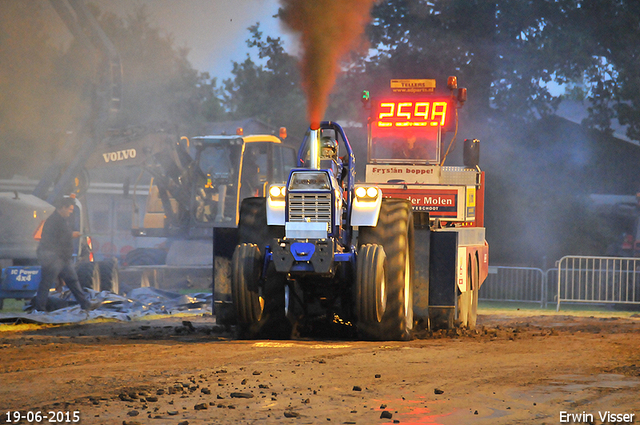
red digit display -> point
(414, 113)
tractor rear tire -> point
(109, 275)
(89, 275)
(252, 226)
(395, 233)
(246, 293)
(371, 291)
(271, 321)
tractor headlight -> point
(367, 193)
(277, 192)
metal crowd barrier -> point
(602, 280)
(521, 284)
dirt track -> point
(513, 370)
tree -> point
(270, 92)
(46, 90)
(485, 44)
(506, 51)
(159, 83)
(26, 92)
(598, 43)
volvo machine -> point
(193, 199)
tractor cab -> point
(316, 198)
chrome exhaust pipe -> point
(314, 149)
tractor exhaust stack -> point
(314, 148)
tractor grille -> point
(314, 207)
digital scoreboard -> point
(413, 113)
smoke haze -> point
(328, 29)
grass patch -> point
(533, 309)
(189, 291)
(24, 327)
(11, 305)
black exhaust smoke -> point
(328, 29)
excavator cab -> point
(204, 191)
(232, 168)
(217, 168)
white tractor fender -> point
(275, 212)
(365, 212)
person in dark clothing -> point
(54, 255)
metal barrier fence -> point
(603, 280)
(578, 279)
(522, 284)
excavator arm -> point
(106, 100)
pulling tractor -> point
(405, 248)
